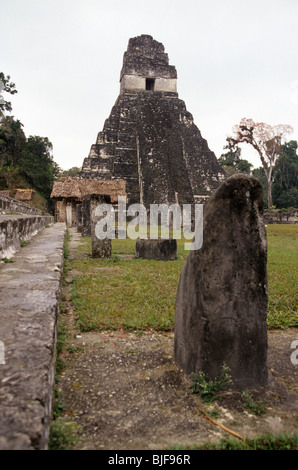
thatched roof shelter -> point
(75, 188)
(24, 195)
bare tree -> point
(266, 140)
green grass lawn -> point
(282, 275)
(125, 292)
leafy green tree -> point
(285, 185)
(232, 162)
(73, 171)
(12, 141)
(36, 164)
(10, 177)
(285, 177)
(23, 162)
(56, 170)
(12, 137)
(9, 87)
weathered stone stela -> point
(101, 248)
(221, 305)
(150, 139)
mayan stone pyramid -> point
(150, 139)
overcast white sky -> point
(234, 58)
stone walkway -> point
(30, 295)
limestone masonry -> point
(150, 139)
(30, 290)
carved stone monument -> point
(101, 247)
(221, 305)
(85, 216)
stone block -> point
(221, 304)
(79, 217)
(101, 248)
(86, 221)
(160, 250)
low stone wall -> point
(8, 204)
(30, 289)
(275, 216)
(17, 228)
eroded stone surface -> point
(30, 295)
(18, 228)
(160, 250)
(101, 247)
(221, 304)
